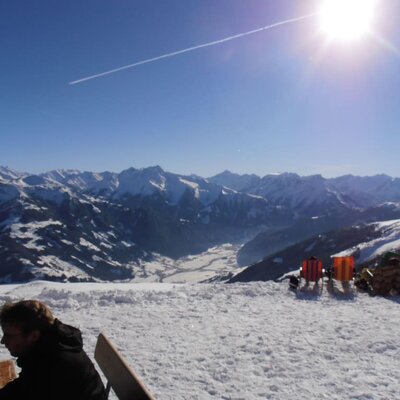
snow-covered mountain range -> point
(309, 194)
(73, 225)
(68, 224)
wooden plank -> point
(7, 372)
(123, 380)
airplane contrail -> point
(200, 46)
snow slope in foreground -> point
(240, 341)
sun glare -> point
(346, 20)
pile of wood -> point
(386, 280)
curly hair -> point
(28, 315)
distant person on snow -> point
(53, 364)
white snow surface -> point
(216, 261)
(240, 341)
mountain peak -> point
(10, 174)
(235, 181)
(156, 169)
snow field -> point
(241, 341)
(216, 261)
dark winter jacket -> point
(56, 368)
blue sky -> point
(278, 100)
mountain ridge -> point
(74, 225)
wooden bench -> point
(120, 377)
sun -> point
(346, 20)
